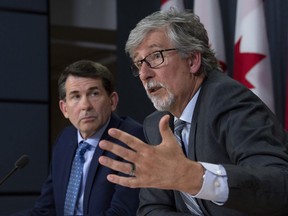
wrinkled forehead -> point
(154, 39)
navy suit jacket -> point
(100, 196)
(232, 127)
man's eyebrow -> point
(73, 92)
(93, 88)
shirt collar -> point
(187, 114)
(95, 138)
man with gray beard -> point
(233, 159)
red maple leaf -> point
(243, 63)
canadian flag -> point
(210, 15)
(168, 4)
(252, 65)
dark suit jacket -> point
(100, 197)
(232, 127)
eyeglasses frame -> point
(135, 70)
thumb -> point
(165, 130)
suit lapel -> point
(192, 153)
(70, 149)
(192, 150)
(151, 126)
(192, 134)
(114, 123)
(192, 142)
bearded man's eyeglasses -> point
(152, 60)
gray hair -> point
(185, 32)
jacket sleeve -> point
(242, 134)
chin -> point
(162, 104)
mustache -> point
(152, 85)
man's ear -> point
(195, 62)
(114, 100)
(62, 106)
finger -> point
(119, 166)
(131, 141)
(116, 149)
(130, 182)
(165, 130)
(168, 138)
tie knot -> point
(179, 125)
(83, 147)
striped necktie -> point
(178, 127)
(188, 199)
(75, 179)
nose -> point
(146, 72)
(85, 103)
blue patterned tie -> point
(178, 127)
(75, 179)
(188, 199)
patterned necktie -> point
(188, 199)
(178, 127)
(75, 179)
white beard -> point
(161, 104)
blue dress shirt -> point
(215, 186)
(93, 141)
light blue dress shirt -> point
(215, 186)
(93, 141)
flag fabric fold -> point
(252, 65)
(168, 4)
(210, 15)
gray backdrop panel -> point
(23, 62)
(24, 130)
(35, 5)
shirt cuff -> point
(215, 186)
